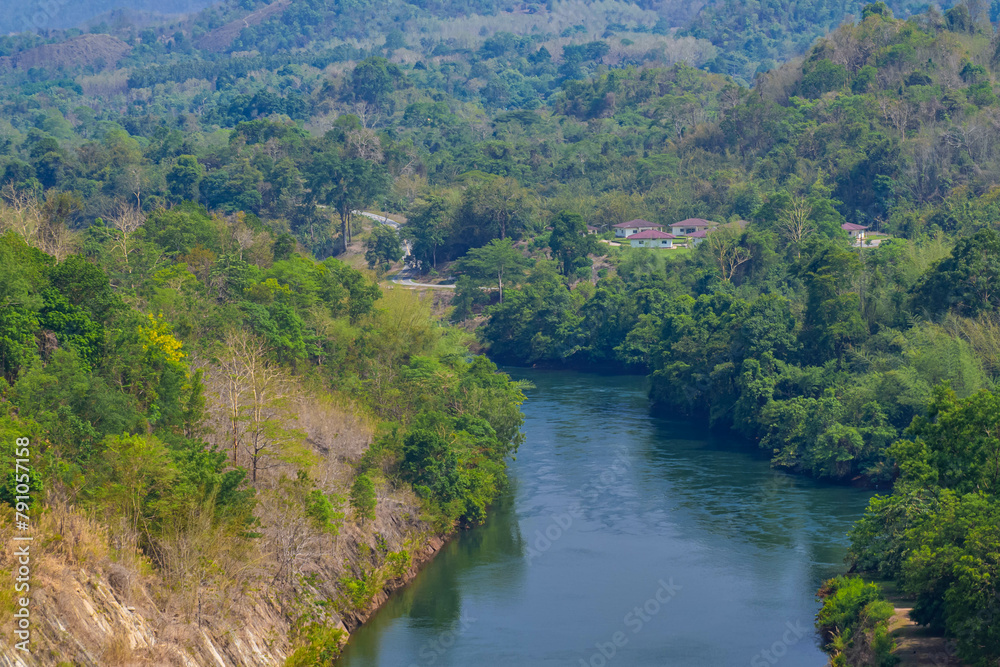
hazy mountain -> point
(34, 15)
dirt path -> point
(916, 646)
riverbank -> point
(599, 511)
(916, 646)
(92, 609)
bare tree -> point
(258, 401)
(290, 536)
(795, 223)
(22, 213)
(365, 144)
(125, 222)
(724, 245)
(368, 114)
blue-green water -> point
(625, 540)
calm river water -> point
(625, 540)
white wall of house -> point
(625, 232)
(652, 243)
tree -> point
(833, 308)
(492, 208)
(373, 81)
(383, 248)
(725, 245)
(125, 222)
(183, 178)
(795, 223)
(257, 399)
(494, 261)
(363, 498)
(968, 282)
(346, 185)
(570, 241)
(427, 228)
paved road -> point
(404, 276)
(381, 219)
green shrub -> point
(322, 645)
(363, 498)
(854, 623)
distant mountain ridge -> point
(36, 15)
(101, 50)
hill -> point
(93, 50)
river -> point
(625, 539)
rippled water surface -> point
(625, 540)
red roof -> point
(700, 234)
(694, 222)
(651, 234)
(642, 224)
(851, 227)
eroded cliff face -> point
(87, 609)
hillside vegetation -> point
(216, 182)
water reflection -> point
(608, 501)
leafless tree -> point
(125, 222)
(365, 144)
(724, 245)
(257, 399)
(22, 213)
(795, 223)
(368, 114)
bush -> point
(854, 623)
(322, 646)
(363, 498)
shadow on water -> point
(626, 498)
(432, 602)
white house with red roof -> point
(652, 238)
(856, 232)
(690, 226)
(694, 238)
(624, 230)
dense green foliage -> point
(200, 175)
(854, 623)
(938, 533)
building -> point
(856, 232)
(652, 238)
(690, 226)
(623, 230)
(694, 238)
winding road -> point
(404, 277)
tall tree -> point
(495, 261)
(383, 248)
(346, 185)
(427, 228)
(725, 244)
(493, 208)
(570, 242)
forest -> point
(183, 196)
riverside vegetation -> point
(204, 169)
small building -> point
(856, 232)
(652, 238)
(623, 230)
(694, 238)
(690, 226)
(593, 230)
